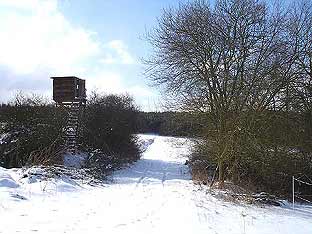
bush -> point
(107, 134)
(31, 132)
(263, 151)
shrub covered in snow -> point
(107, 132)
(30, 132)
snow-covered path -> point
(155, 195)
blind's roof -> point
(62, 77)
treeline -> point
(32, 132)
(170, 123)
(246, 65)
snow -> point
(75, 160)
(154, 195)
(6, 180)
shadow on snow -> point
(153, 171)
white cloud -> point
(27, 4)
(105, 81)
(122, 50)
(113, 82)
(140, 91)
(119, 53)
(41, 39)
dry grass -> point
(51, 155)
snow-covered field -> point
(155, 195)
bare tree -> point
(231, 61)
(300, 34)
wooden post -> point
(293, 192)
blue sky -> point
(99, 40)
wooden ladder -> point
(72, 127)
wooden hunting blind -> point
(69, 92)
(69, 89)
